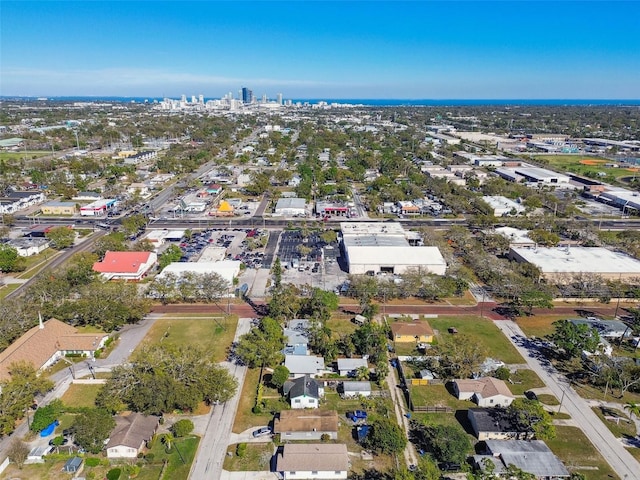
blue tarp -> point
(49, 430)
(363, 431)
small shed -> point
(73, 465)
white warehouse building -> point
(375, 247)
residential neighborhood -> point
(241, 288)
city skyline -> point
(350, 50)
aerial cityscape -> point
(394, 240)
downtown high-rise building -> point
(247, 95)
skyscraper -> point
(247, 95)
(279, 99)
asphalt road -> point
(620, 460)
(209, 459)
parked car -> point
(262, 431)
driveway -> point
(620, 460)
(247, 436)
(248, 475)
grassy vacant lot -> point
(257, 457)
(29, 155)
(596, 393)
(50, 470)
(576, 451)
(538, 325)
(208, 331)
(622, 427)
(524, 380)
(245, 418)
(176, 470)
(340, 324)
(81, 395)
(484, 332)
(437, 396)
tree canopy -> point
(447, 443)
(575, 338)
(262, 346)
(92, 427)
(385, 436)
(162, 378)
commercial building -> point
(97, 208)
(374, 247)
(227, 269)
(532, 174)
(126, 265)
(503, 206)
(291, 207)
(560, 263)
(58, 208)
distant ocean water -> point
(374, 102)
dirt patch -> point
(590, 161)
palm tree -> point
(633, 408)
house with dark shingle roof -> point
(494, 424)
(303, 392)
(131, 434)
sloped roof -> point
(122, 262)
(306, 421)
(36, 346)
(492, 420)
(225, 206)
(132, 430)
(302, 386)
(351, 363)
(303, 364)
(532, 456)
(412, 329)
(356, 386)
(323, 457)
(487, 387)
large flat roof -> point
(395, 255)
(371, 228)
(579, 259)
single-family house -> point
(530, 456)
(306, 425)
(300, 365)
(485, 391)
(296, 461)
(303, 392)
(214, 189)
(126, 265)
(131, 434)
(141, 189)
(46, 343)
(493, 424)
(296, 335)
(418, 331)
(348, 366)
(356, 389)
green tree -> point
(92, 427)
(460, 356)
(46, 415)
(61, 237)
(575, 338)
(133, 224)
(530, 417)
(172, 254)
(279, 376)
(633, 409)
(182, 428)
(17, 393)
(262, 346)
(535, 299)
(385, 436)
(10, 261)
(276, 270)
(447, 443)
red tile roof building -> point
(125, 265)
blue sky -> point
(307, 49)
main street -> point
(611, 449)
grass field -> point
(524, 380)
(7, 289)
(176, 469)
(576, 451)
(484, 332)
(437, 396)
(245, 418)
(29, 155)
(621, 428)
(212, 332)
(538, 325)
(81, 395)
(585, 165)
